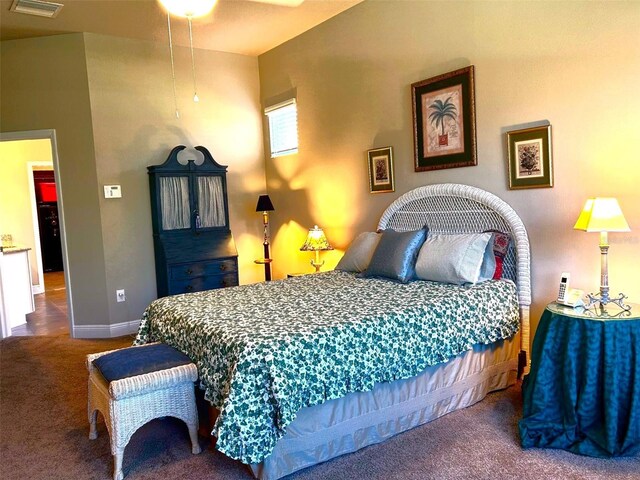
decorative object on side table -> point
(444, 121)
(603, 215)
(7, 240)
(316, 242)
(582, 393)
(265, 206)
(380, 161)
(530, 163)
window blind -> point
(283, 128)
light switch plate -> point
(112, 191)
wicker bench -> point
(128, 403)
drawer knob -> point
(223, 267)
(189, 288)
(189, 271)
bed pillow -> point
(488, 267)
(358, 255)
(456, 259)
(395, 255)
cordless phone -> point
(563, 291)
(570, 297)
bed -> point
(306, 369)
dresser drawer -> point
(197, 284)
(188, 271)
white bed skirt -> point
(347, 424)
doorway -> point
(39, 226)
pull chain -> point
(173, 70)
(193, 63)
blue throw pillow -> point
(395, 255)
(132, 361)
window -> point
(283, 128)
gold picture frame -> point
(530, 158)
(380, 162)
(444, 121)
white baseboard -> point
(106, 331)
(37, 289)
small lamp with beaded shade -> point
(316, 241)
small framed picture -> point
(530, 163)
(380, 162)
(444, 121)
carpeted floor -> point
(44, 434)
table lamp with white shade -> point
(603, 215)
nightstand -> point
(583, 392)
(298, 274)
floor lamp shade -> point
(264, 204)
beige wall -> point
(43, 85)
(132, 110)
(16, 214)
(110, 101)
(576, 66)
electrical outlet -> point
(120, 296)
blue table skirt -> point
(583, 392)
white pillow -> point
(457, 259)
(358, 255)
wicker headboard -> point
(453, 208)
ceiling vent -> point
(36, 7)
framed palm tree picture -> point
(444, 121)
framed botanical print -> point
(444, 121)
(380, 162)
(530, 163)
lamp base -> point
(604, 300)
(317, 264)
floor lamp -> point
(265, 206)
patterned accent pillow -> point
(395, 255)
(358, 255)
(501, 243)
(457, 259)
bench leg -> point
(117, 466)
(93, 432)
(193, 433)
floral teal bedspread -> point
(265, 351)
